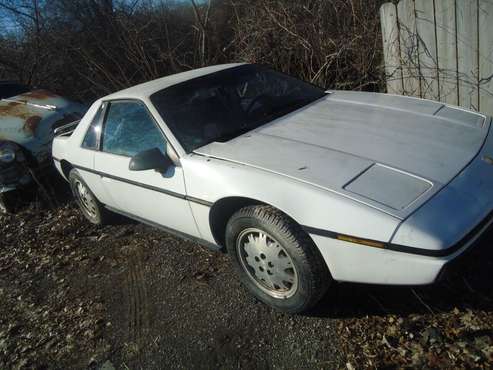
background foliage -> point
(89, 48)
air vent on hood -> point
(388, 186)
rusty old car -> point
(27, 120)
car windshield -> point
(11, 89)
(225, 104)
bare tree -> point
(87, 48)
(27, 16)
(203, 23)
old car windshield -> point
(228, 103)
(11, 89)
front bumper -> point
(425, 244)
(457, 211)
(478, 255)
(350, 262)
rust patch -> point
(13, 104)
(39, 94)
(31, 124)
(14, 110)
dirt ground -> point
(127, 296)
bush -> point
(90, 48)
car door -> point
(150, 195)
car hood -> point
(28, 119)
(387, 151)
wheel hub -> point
(267, 263)
(85, 199)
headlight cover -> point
(7, 155)
(9, 152)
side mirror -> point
(152, 159)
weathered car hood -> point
(336, 142)
(28, 119)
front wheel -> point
(276, 260)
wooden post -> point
(441, 49)
(447, 50)
(391, 51)
(427, 48)
(409, 47)
(467, 53)
(486, 56)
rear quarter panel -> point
(68, 149)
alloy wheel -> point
(267, 263)
(85, 198)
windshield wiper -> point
(288, 108)
(231, 135)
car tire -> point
(276, 259)
(8, 202)
(92, 209)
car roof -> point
(146, 89)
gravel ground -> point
(127, 296)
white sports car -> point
(301, 186)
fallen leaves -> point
(43, 320)
(52, 312)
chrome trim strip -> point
(148, 187)
(469, 239)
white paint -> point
(469, 195)
(146, 89)
(356, 263)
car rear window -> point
(91, 140)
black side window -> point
(129, 129)
(91, 140)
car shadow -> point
(47, 191)
(52, 191)
(467, 285)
